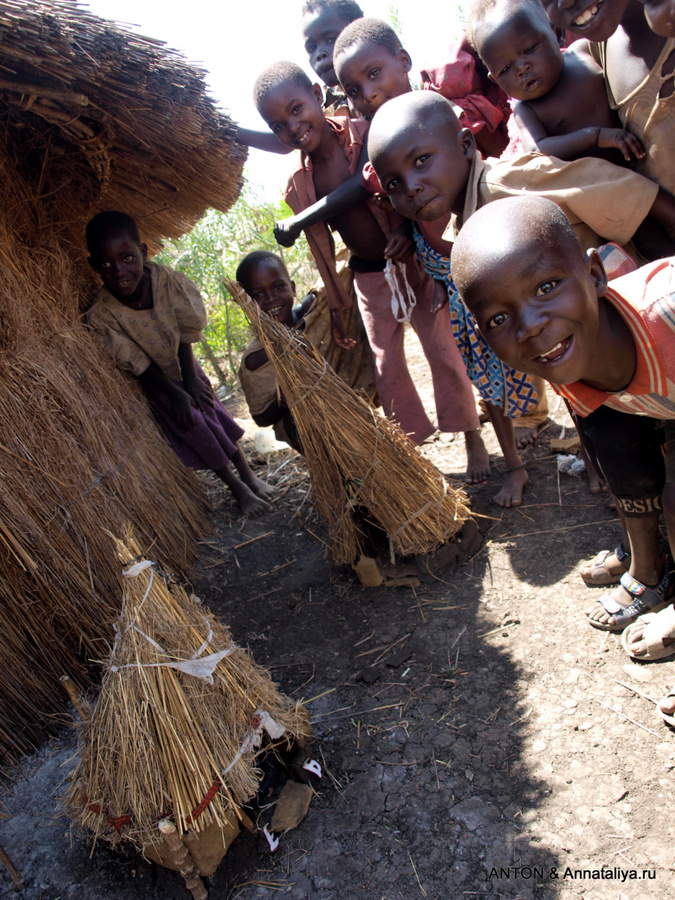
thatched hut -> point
(93, 117)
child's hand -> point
(440, 297)
(287, 232)
(400, 246)
(181, 410)
(623, 140)
(200, 393)
(338, 333)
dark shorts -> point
(628, 451)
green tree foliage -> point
(212, 251)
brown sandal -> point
(597, 572)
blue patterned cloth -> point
(496, 382)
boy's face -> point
(268, 284)
(119, 261)
(595, 20)
(370, 75)
(537, 307)
(320, 30)
(424, 170)
(522, 54)
(295, 115)
(660, 15)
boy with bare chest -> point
(332, 150)
(562, 107)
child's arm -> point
(260, 140)
(349, 194)
(200, 392)
(181, 402)
(400, 246)
(575, 144)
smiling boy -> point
(608, 349)
(331, 150)
(638, 68)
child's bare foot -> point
(596, 483)
(477, 458)
(260, 488)
(249, 503)
(666, 707)
(511, 493)
(524, 435)
(256, 485)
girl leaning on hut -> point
(148, 316)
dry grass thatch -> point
(100, 118)
(176, 726)
(356, 458)
(92, 117)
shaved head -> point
(513, 226)
(423, 111)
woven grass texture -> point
(356, 458)
(176, 726)
(92, 117)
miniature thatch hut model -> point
(93, 117)
(356, 458)
(176, 728)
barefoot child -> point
(330, 153)
(148, 316)
(562, 107)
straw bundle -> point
(92, 117)
(175, 728)
(110, 119)
(356, 458)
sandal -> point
(596, 570)
(653, 629)
(646, 599)
(667, 717)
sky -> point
(234, 40)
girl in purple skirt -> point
(148, 316)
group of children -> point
(501, 264)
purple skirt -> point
(210, 443)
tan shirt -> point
(135, 338)
(601, 200)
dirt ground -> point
(478, 738)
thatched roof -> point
(108, 119)
(91, 117)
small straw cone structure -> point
(355, 457)
(175, 728)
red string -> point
(119, 822)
